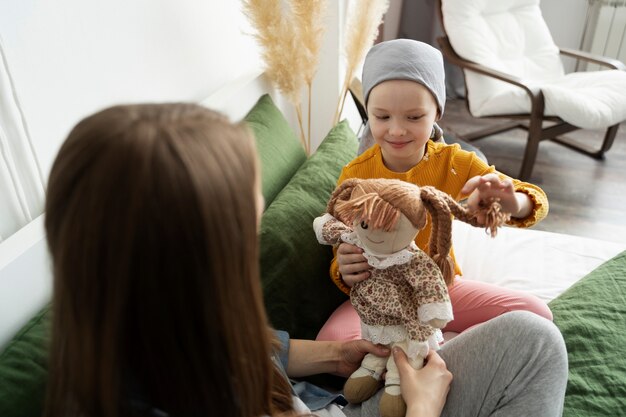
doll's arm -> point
(430, 292)
(328, 229)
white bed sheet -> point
(542, 263)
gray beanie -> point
(405, 59)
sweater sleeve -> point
(540, 204)
(535, 193)
(335, 275)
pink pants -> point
(473, 302)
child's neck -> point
(403, 164)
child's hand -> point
(482, 188)
(353, 266)
(424, 390)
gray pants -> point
(512, 365)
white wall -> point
(566, 20)
(71, 57)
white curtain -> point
(21, 180)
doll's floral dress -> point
(405, 290)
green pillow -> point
(592, 318)
(23, 369)
(279, 149)
(299, 294)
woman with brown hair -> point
(148, 219)
(157, 307)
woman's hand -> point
(424, 390)
(353, 266)
(483, 188)
(351, 354)
(309, 357)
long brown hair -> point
(151, 225)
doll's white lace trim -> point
(430, 311)
(381, 261)
(318, 226)
(386, 335)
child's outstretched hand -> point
(482, 189)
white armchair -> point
(513, 69)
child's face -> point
(401, 116)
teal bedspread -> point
(592, 318)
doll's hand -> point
(483, 188)
(352, 352)
(353, 266)
(424, 390)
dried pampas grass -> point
(308, 17)
(364, 18)
(281, 52)
(290, 34)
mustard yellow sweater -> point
(446, 167)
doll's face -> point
(380, 242)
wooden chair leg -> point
(530, 153)
(609, 137)
(534, 137)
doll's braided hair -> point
(379, 202)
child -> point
(404, 93)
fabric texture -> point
(405, 59)
(511, 36)
(447, 168)
(23, 369)
(592, 317)
(294, 267)
(278, 147)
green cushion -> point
(279, 149)
(299, 294)
(592, 318)
(23, 369)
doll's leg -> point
(343, 324)
(365, 381)
(475, 302)
(391, 402)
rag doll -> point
(405, 301)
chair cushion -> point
(512, 37)
(591, 100)
(507, 35)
